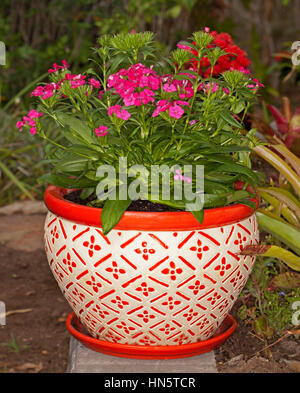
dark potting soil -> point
(137, 206)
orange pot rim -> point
(144, 221)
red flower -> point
(235, 57)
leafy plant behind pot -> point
(281, 216)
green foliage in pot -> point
(152, 111)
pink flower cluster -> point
(29, 121)
(119, 112)
(94, 83)
(174, 108)
(183, 87)
(45, 91)
(136, 85)
(57, 68)
(101, 131)
(255, 85)
(76, 80)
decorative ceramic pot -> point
(157, 279)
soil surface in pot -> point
(137, 206)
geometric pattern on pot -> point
(150, 288)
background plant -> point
(274, 284)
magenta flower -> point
(179, 102)
(113, 109)
(93, 82)
(125, 115)
(101, 131)
(206, 87)
(20, 125)
(128, 84)
(45, 91)
(176, 111)
(132, 99)
(162, 106)
(120, 113)
(58, 67)
(256, 85)
(75, 80)
(29, 121)
(170, 88)
(33, 114)
(181, 46)
(146, 96)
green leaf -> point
(284, 232)
(71, 163)
(112, 212)
(287, 280)
(262, 327)
(288, 257)
(279, 164)
(86, 192)
(285, 197)
(66, 182)
(84, 151)
(227, 116)
(237, 168)
(78, 128)
(22, 186)
(199, 215)
(280, 209)
(239, 195)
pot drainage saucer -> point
(148, 351)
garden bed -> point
(36, 339)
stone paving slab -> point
(22, 232)
(85, 360)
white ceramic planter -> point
(149, 287)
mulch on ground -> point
(35, 340)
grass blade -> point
(16, 181)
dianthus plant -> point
(136, 112)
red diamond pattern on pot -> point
(100, 312)
(150, 288)
(145, 251)
(147, 340)
(92, 247)
(70, 264)
(200, 249)
(144, 289)
(118, 302)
